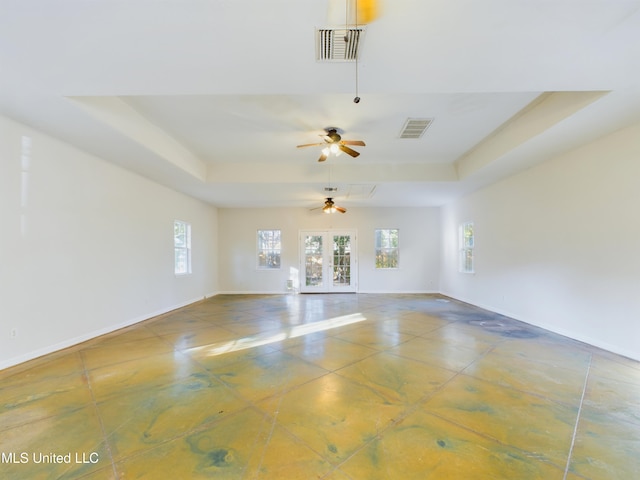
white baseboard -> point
(11, 362)
(379, 292)
(634, 355)
(400, 292)
(254, 292)
(112, 328)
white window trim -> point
(463, 249)
(258, 250)
(375, 249)
(186, 248)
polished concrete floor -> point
(338, 387)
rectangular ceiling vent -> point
(360, 190)
(415, 127)
(338, 45)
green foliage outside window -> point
(386, 249)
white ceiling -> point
(211, 97)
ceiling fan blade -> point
(323, 157)
(353, 142)
(310, 145)
(348, 151)
(340, 209)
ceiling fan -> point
(330, 207)
(333, 143)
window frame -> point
(268, 250)
(377, 248)
(466, 246)
(184, 247)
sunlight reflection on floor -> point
(272, 337)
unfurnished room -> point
(333, 239)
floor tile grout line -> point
(199, 429)
(463, 371)
(251, 403)
(515, 389)
(335, 371)
(588, 381)
(273, 420)
(420, 402)
(493, 439)
(396, 421)
(575, 428)
(52, 415)
(107, 446)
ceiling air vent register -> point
(335, 45)
(415, 127)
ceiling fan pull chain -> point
(357, 54)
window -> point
(269, 248)
(387, 251)
(466, 247)
(182, 244)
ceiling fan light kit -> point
(328, 48)
(334, 144)
(330, 207)
(329, 210)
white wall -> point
(87, 247)
(419, 246)
(558, 246)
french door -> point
(327, 261)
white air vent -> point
(415, 127)
(360, 190)
(338, 45)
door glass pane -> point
(341, 260)
(313, 260)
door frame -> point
(327, 264)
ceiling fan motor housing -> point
(333, 135)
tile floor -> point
(338, 387)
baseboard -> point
(400, 292)
(594, 342)
(254, 292)
(12, 362)
(379, 292)
(633, 355)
